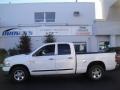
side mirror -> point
(43, 53)
(39, 53)
(34, 54)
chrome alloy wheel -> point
(19, 75)
(96, 73)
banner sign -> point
(44, 30)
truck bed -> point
(83, 60)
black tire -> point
(19, 74)
(95, 72)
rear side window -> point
(64, 49)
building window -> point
(39, 16)
(80, 47)
(44, 16)
(103, 45)
(50, 16)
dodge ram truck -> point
(57, 59)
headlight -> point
(6, 63)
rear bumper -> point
(117, 65)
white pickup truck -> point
(56, 59)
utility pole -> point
(76, 1)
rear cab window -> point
(64, 49)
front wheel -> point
(19, 74)
(95, 72)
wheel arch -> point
(19, 65)
(96, 63)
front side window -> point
(64, 49)
(39, 16)
(46, 51)
(50, 16)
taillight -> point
(117, 58)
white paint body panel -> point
(67, 62)
(83, 60)
(61, 63)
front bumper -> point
(5, 70)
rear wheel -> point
(19, 74)
(95, 72)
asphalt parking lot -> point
(111, 81)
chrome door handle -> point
(51, 59)
(70, 58)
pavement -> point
(111, 81)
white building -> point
(69, 22)
(108, 28)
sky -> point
(29, 1)
(98, 6)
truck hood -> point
(17, 58)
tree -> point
(25, 44)
(49, 38)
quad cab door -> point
(43, 61)
(65, 59)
